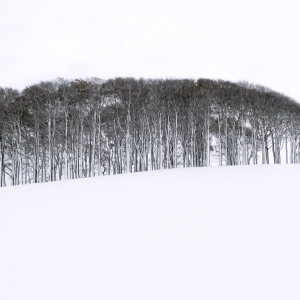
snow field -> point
(198, 233)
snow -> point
(198, 233)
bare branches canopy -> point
(73, 129)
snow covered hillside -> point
(198, 233)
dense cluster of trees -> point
(81, 128)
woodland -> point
(67, 129)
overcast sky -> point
(254, 40)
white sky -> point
(254, 40)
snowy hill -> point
(198, 233)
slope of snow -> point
(198, 233)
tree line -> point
(65, 129)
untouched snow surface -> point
(201, 233)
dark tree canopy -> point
(72, 129)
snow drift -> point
(199, 233)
